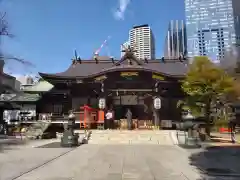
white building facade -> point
(142, 40)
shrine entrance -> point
(136, 90)
(139, 102)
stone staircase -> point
(160, 137)
(36, 130)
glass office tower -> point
(175, 41)
(212, 27)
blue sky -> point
(48, 31)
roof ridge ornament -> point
(146, 60)
(96, 59)
(76, 59)
(129, 55)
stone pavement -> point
(14, 162)
(99, 162)
(109, 161)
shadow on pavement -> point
(55, 145)
(218, 162)
(11, 144)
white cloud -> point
(120, 12)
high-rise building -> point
(212, 27)
(142, 40)
(123, 46)
(175, 42)
(25, 80)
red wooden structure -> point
(224, 130)
(89, 116)
(100, 121)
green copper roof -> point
(41, 86)
(25, 98)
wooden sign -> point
(158, 77)
(100, 78)
(127, 74)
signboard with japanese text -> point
(100, 78)
(158, 77)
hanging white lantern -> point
(102, 103)
(157, 103)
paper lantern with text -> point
(102, 103)
(157, 103)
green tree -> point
(204, 84)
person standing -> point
(129, 119)
(109, 119)
(232, 126)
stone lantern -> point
(69, 139)
(190, 127)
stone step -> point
(131, 137)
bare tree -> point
(4, 26)
(4, 32)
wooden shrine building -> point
(125, 83)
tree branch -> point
(4, 31)
(4, 28)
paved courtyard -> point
(106, 161)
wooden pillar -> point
(156, 112)
(2, 122)
(156, 119)
(102, 94)
(85, 117)
(101, 116)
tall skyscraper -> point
(212, 27)
(123, 46)
(25, 80)
(175, 42)
(142, 40)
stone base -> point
(69, 141)
(186, 146)
(191, 143)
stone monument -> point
(69, 139)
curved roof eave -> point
(109, 70)
(55, 76)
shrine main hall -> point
(128, 83)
